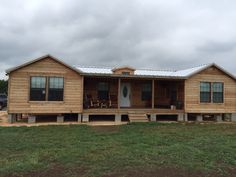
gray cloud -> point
(144, 34)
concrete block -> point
(31, 119)
(218, 118)
(118, 118)
(153, 118)
(79, 117)
(199, 118)
(85, 118)
(11, 118)
(186, 117)
(60, 119)
(227, 117)
(181, 117)
(233, 117)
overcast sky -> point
(140, 33)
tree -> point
(3, 86)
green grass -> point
(97, 151)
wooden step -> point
(137, 117)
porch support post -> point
(60, 119)
(153, 94)
(233, 117)
(218, 118)
(85, 118)
(186, 117)
(79, 117)
(153, 117)
(118, 95)
(118, 118)
(181, 117)
(199, 118)
(82, 94)
(31, 119)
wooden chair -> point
(113, 101)
(92, 103)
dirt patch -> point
(105, 129)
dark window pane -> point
(55, 95)
(55, 89)
(126, 73)
(103, 91)
(205, 92)
(146, 92)
(103, 86)
(218, 92)
(37, 88)
(205, 97)
(37, 95)
(217, 97)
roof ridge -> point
(201, 65)
(150, 69)
(99, 67)
(110, 67)
(145, 69)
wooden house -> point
(48, 87)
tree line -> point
(3, 86)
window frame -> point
(46, 89)
(125, 73)
(100, 90)
(145, 98)
(210, 92)
(213, 101)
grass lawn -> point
(141, 149)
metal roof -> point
(146, 72)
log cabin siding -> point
(19, 89)
(192, 92)
(136, 94)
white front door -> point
(125, 92)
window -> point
(217, 88)
(146, 92)
(55, 89)
(205, 92)
(126, 73)
(103, 90)
(38, 88)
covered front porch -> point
(110, 94)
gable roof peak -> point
(8, 71)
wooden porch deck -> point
(112, 111)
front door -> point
(125, 92)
